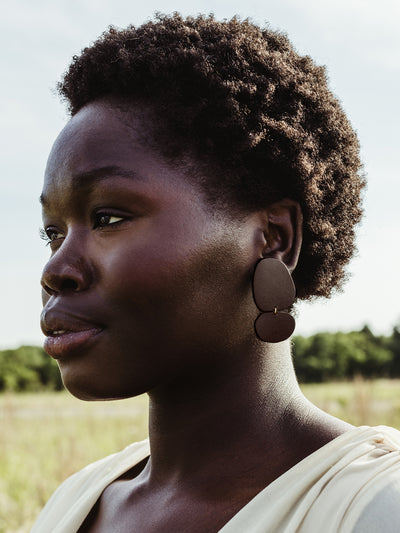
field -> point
(46, 437)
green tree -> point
(28, 368)
(325, 356)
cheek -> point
(146, 295)
(137, 276)
(191, 294)
(171, 285)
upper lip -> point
(57, 322)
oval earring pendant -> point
(273, 285)
(274, 327)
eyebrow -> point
(90, 177)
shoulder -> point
(357, 477)
(382, 512)
(86, 479)
(75, 497)
(375, 504)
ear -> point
(284, 232)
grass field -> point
(46, 437)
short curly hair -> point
(259, 115)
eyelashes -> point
(50, 235)
(101, 220)
(45, 236)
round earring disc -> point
(272, 327)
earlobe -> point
(284, 232)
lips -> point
(66, 333)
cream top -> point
(352, 484)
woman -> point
(204, 163)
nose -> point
(68, 270)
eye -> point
(50, 234)
(105, 219)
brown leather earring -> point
(273, 291)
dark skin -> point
(164, 280)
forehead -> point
(98, 135)
(102, 141)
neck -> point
(241, 413)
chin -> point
(91, 390)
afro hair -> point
(260, 116)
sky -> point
(358, 41)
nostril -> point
(47, 289)
(69, 284)
(57, 286)
(61, 274)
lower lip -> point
(58, 346)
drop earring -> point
(273, 292)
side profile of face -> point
(147, 283)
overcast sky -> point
(358, 41)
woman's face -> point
(146, 284)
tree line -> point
(317, 358)
(339, 356)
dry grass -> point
(360, 402)
(46, 437)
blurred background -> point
(358, 41)
(342, 346)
